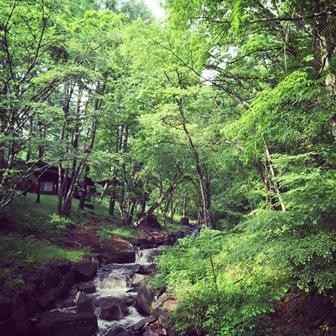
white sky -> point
(155, 7)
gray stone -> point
(144, 300)
(66, 324)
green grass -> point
(27, 217)
(19, 251)
(111, 230)
(29, 250)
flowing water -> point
(115, 281)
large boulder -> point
(184, 221)
(155, 329)
(51, 276)
(144, 299)
(150, 221)
(47, 300)
(85, 270)
(66, 284)
(86, 287)
(64, 267)
(83, 304)
(139, 279)
(16, 322)
(6, 306)
(117, 250)
(149, 269)
(118, 331)
(66, 324)
(136, 328)
(112, 309)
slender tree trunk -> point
(62, 173)
(113, 196)
(124, 203)
(159, 200)
(113, 192)
(185, 205)
(76, 168)
(86, 169)
(273, 177)
(172, 210)
(131, 213)
(204, 183)
(324, 45)
(144, 200)
(40, 157)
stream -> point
(118, 283)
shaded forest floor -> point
(31, 235)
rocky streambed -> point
(118, 297)
(106, 296)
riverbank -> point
(44, 263)
(119, 291)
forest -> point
(123, 128)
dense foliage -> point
(223, 112)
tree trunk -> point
(172, 210)
(113, 196)
(185, 205)
(273, 178)
(86, 169)
(161, 198)
(40, 157)
(324, 46)
(68, 91)
(204, 183)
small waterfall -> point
(115, 282)
(147, 256)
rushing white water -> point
(147, 256)
(115, 281)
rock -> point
(66, 324)
(165, 301)
(117, 250)
(138, 326)
(85, 270)
(154, 330)
(161, 315)
(139, 279)
(28, 298)
(6, 306)
(64, 267)
(184, 221)
(118, 331)
(13, 327)
(46, 300)
(66, 284)
(112, 309)
(191, 332)
(87, 287)
(52, 276)
(144, 300)
(17, 323)
(147, 269)
(119, 257)
(150, 221)
(128, 301)
(83, 304)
